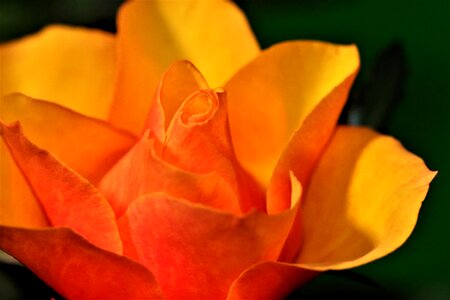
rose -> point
(337, 197)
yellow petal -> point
(71, 66)
(214, 35)
(61, 131)
(271, 97)
(362, 202)
(306, 146)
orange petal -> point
(75, 268)
(272, 96)
(18, 206)
(141, 172)
(269, 280)
(153, 34)
(362, 202)
(67, 198)
(197, 252)
(59, 130)
(198, 140)
(71, 66)
(179, 81)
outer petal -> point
(269, 280)
(60, 131)
(196, 252)
(18, 206)
(273, 95)
(75, 268)
(152, 34)
(71, 66)
(307, 145)
(362, 202)
(68, 199)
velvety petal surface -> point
(75, 268)
(67, 198)
(153, 34)
(72, 66)
(362, 202)
(197, 252)
(272, 96)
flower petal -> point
(142, 171)
(362, 202)
(195, 251)
(75, 268)
(199, 141)
(152, 34)
(67, 198)
(179, 81)
(269, 280)
(18, 206)
(306, 145)
(301, 156)
(273, 95)
(70, 66)
(60, 131)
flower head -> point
(232, 182)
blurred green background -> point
(417, 112)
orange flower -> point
(240, 192)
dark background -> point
(403, 89)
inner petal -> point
(199, 107)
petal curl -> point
(178, 82)
(153, 34)
(273, 95)
(199, 141)
(67, 198)
(195, 148)
(75, 268)
(195, 251)
(362, 202)
(71, 66)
